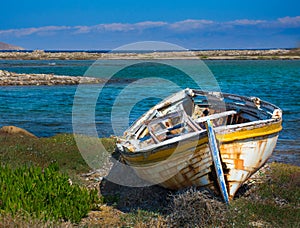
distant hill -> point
(4, 46)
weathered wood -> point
(184, 159)
(215, 153)
(215, 116)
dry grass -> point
(21, 220)
(194, 208)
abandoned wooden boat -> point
(198, 138)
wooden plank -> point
(215, 116)
(216, 159)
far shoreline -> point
(244, 54)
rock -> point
(259, 224)
(12, 130)
(11, 78)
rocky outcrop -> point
(4, 46)
(12, 130)
(13, 79)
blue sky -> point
(96, 24)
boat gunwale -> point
(221, 130)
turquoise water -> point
(47, 110)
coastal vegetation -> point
(45, 194)
(41, 176)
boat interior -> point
(191, 113)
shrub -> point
(193, 208)
(43, 194)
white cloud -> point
(289, 21)
(150, 24)
(190, 24)
(247, 22)
(119, 27)
(178, 27)
(31, 31)
(116, 27)
(82, 29)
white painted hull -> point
(186, 159)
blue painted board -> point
(216, 159)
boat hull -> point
(244, 157)
(188, 161)
(169, 144)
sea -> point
(131, 88)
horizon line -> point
(144, 50)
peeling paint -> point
(170, 145)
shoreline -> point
(272, 54)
